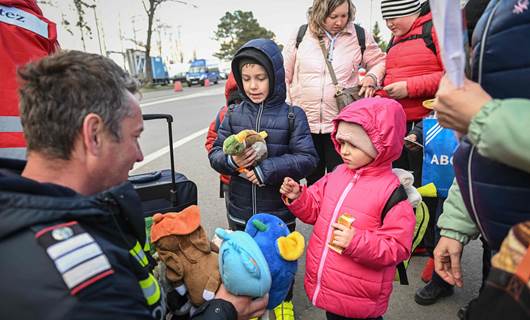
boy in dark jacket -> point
(260, 76)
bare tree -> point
(150, 7)
(82, 24)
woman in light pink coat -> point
(356, 284)
(308, 79)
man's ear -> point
(92, 132)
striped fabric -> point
(399, 8)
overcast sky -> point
(197, 25)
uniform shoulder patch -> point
(76, 255)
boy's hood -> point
(383, 120)
(276, 80)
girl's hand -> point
(245, 160)
(290, 189)
(397, 90)
(342, 235)
(251, 176)
(368, 86)
(409, 142)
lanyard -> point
(331, 45)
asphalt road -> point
(193, 109)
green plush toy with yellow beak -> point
(236, 144)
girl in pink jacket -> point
(356, 283)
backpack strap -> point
(291, 117)
(229, 114)
(301, 33)
(361, 36)
(396, 197)
(426, 35)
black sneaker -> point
(431, 293)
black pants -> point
(332, 316)
(328, 157)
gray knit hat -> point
(399, 8)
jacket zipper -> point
(322, 98)
(254, 187)
(330, 231)
(471, 199)
(483, 43)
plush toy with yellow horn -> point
(281, 250)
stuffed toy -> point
(237, 143)
(242, 265)
(183, 246)
(281, 250)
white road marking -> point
(213, 92)
(161, 152)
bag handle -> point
(330, 67)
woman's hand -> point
(290, 189)
(397, 90)
(368, 86)
(342, 235)
(245, 160)
(456, 107)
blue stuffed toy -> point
(281, 250)
(242, 266)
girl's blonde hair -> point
(321, 9)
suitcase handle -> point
(145, 177)
(169, 119)
(154, 116)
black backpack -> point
(396, 197)
(361, 36)
(426, 35)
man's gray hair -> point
(59, 91)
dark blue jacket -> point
(291, 153)
(496, 195)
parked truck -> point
(136, 63)
(202, 69)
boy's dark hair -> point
(58, 92)
(252, 56)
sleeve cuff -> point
(231, 162)
(374, 77)
(478, 122)
(462, 238)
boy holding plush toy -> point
(258, 70)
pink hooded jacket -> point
(308, 81)
(358, 282)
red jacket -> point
(230, 86)
(358, 282)
(25, 35)
(413, 62)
